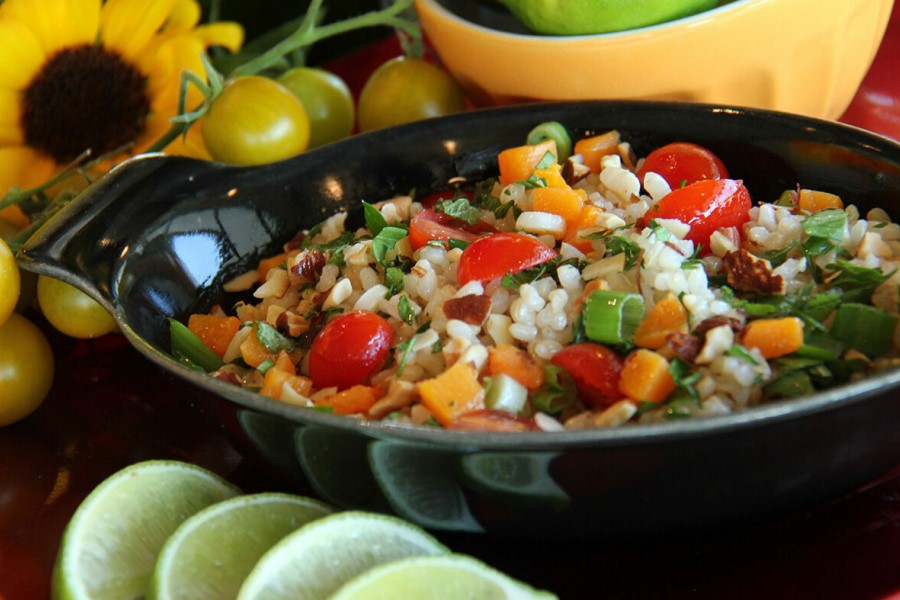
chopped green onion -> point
(555, 131)
(611, 317)
(186, 346)
(265, 366)
(791, 385)
(820, 346)
(865, 328)
(505, 393)
(558, 392)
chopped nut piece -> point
(291, 323)
(574, 171)
(683, 346)
(472, 309)
(752, 274)
(400, 395)
(309, 264)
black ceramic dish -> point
(159, 236)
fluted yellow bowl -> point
(800, 56)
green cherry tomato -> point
(10, 282)
(407, 89)
(255, 120)
(26, 368)
(71, 311)
(327, 100)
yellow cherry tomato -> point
(255, 120)
(26, 368)
(404, 90)
(71, 311)
(10, 282)
(327, 100)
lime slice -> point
(446, 577)
(421, 485)
(211, 553)
(318, 558)
(111, 543)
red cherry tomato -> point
(430, 224)
(496, 255)
(683, 163)
(349, 350)
(706, 206)
(450, 194)
(595, 369)
(492, 420)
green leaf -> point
(685, 377)
(857, 282)
(459, 208)
(386, 239)
(375, 221)
(828, 224)
(273, 339)
(393, 281)
(618, 244)
(512, 281)
(407, 313)
(662, 234)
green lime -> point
(318, 558)
(443, 577)
(211, 553)
(111, 543)
(600, 16)
(421, 483)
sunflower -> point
(79, 75)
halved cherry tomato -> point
(595, 370)
(492, 420)
(349, 350)
(430, 224)
(449, 194)
(683, 163)
(706, 206)
(501, 253)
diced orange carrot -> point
(517, 363)
(645, 376)
(354, 400)
(253, 352)
(284, 363)
(774, 337)
(667, 316)
(593, 149)
(814, 200)
(214, 331)
(275, 379)
(454, 392)
(267, 264)
(587, 219)
(517, 164)
(564, 202)
(552, 176)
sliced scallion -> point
(791, 385)
(190, 349)
(865, 328)
(611, 317)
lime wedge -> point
(318, 558)
(111, 543)
(445, 577)
(211, 553)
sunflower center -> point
(84, 97)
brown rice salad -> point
(582, 288)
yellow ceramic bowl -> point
(801, 56)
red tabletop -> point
(109, 407)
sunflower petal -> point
(10, 107)
(129, 25)
(57, 23)
(224, 33)
(24, 168)
(21, 55)
(185, 15)
(178, 53)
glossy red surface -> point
(109, 407)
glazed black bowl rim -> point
(629, 435)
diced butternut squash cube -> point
(565, 202)
(454, 392)
(666, 317)
(517, 363)
(814, 200)
(214, 331)
(645, 376)
(774, 337)
(518, 164)
(593, 149)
